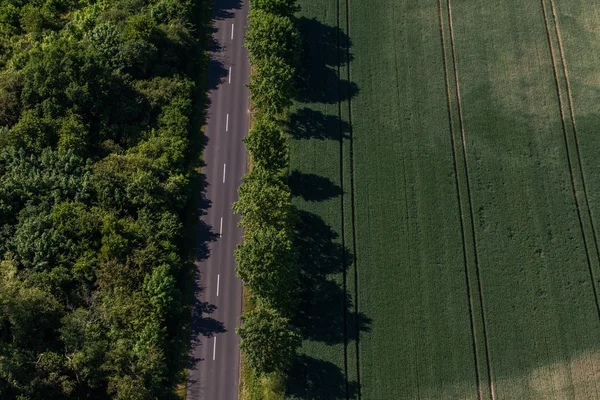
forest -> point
(96, 117)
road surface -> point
(215, 353)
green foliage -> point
(268, 340)
(264, 199)
(266, 263)
(139, 27)
(272, 86)
(32, 19)
(95, 109)
(267, 145)
(266, 260)
(10, 88)
(281, 7)
(272, 34)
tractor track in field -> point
(458, 201)
(353, 261)
(342, 210)
(572, 173)
(577, 151)
(353, 202)
(462, 212)
(470, 199)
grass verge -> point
(252, 387)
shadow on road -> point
(217, 73)
(225, 9)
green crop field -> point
(445, 164)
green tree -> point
(32, 19)
(270, 34)
(266, 263)
(281, 7)
(29, 318)
(95, 107)
(10, 93)
(267, 340)
(272, 86)
(267, 145)
(264, 199)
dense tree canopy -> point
(264, 199)
(95, 105)
(272, 34)
(272, 86)
(267, 145)
(266, 263)
(280, 7)
(268, 340)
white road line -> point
(229, 74)
(221, 229)
(224, 169)
(215, 349)
(232, 25)
(227, 124)
(218, 281)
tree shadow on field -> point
(307, 123)
(326, 312)
(312, 187)
(313, 379)
(324, 48)
(324, 303)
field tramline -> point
(461, 138)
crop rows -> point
(468, 184)
(576, 171)
(462, 172)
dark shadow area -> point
(313, 379)
(199, 324)
(312, 187)
(326, 312)
(203, 325)
(192, 320)
(324, 304)
(306, 123)
(224, 9)
(324, 48)
(217, 72)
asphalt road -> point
(215, 354)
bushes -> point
(95, 109)
(266, 261)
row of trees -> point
(266, 260)
(95, 105)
